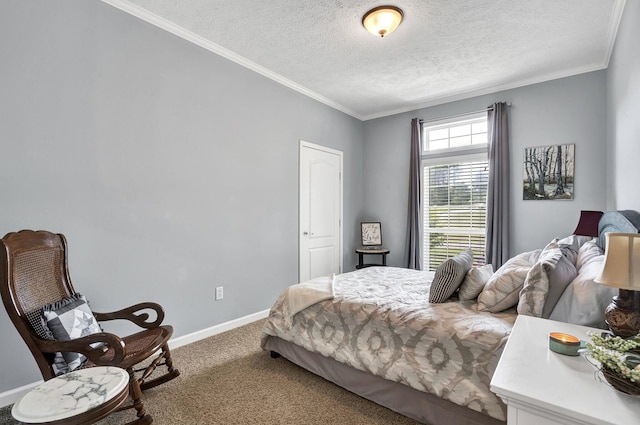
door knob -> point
(305, 233)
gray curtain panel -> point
(413, 248)
(497, 243)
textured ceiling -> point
(443, 50)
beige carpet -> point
(228, 379)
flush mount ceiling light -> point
(382, 20)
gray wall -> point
(569, 110)
(170, 169)
(623, 102)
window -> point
(455, 178)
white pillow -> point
(574, 242)
(474, 281)
(584, 301)
(586, 253)
(503, 288)
(559, 278)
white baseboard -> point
(11, 396)
(217, 329)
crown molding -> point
(481, 91)
(145, 15)
(187, 35)
(614, 25)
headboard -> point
(623, 221)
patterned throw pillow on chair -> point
(69, 319)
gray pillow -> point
(449, 276)
(474, 281)
(536, 284)
(559, 279)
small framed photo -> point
(371, 233)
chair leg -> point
(136, 396)
(172, 372)
(168, 361)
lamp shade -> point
(621, 267)
(382, 20)
(588, 223)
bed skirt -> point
(418, 405)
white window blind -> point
(455, 178)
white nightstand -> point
(541, 387)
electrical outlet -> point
(219, 293)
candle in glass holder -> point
(564, 343)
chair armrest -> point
(129, 314)
(83, 345)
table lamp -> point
(588, 223)
(621, 270)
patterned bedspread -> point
(380, 321)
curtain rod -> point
(490, 108)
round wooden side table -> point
(371, 251)
(83, 396)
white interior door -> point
(320, 211)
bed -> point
(374, 332)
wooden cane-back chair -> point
(34, 272)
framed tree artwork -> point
(549, 172)
(371, 233)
